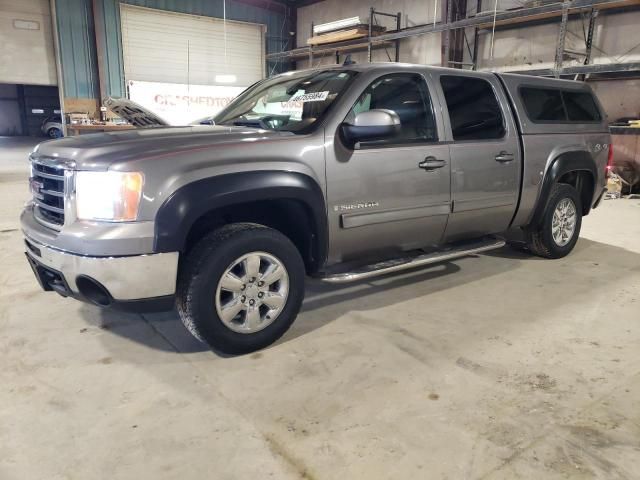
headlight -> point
(109, 196)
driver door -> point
(380, 194)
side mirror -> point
(371, 125)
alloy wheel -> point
(563, 223)
(252, 292)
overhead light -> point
(226, 79)
(337, 25)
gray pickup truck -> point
(340, 173)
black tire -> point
(540, 239)
(54, 133)
(204, 266)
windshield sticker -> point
(310, 97)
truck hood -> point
(133, 113)
(100, 151)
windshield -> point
(293, 102)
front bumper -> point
(133, 282)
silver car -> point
(52, 126)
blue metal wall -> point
(78, 49)
(78, 44)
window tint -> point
(543, 104)
(473, 108)
(407, 95)
(548, 104)
(581, 107)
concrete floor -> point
(500, 366)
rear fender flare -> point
(570, 161)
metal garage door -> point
(26, 43)
(167, 47)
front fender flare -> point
(186, 205)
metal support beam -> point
(56, 49)
(583, 69)
(22, 106)
(371, 16)
(292, 19)
(310, 48)
(469, 51)
(562, 35)
(589, 40)
(474, 56)
(398, 27)
(446, 34)
(458, 38)
(98, 22)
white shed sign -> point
(181, 104)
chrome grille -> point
(48, 188)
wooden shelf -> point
(553, 14)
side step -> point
(398, 264)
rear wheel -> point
(558, 231)
(241, 287)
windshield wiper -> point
(243, 121)
(248, 123)
(265, 123)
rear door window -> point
(543, 104)
(581, 107)
(474, 110)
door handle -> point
(504, 157)
(431, 163)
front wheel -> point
(558, 231)
(241, 287)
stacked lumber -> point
(342, 31)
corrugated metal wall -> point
(113, 62)
(78, 49)
(78, 46)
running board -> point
(396, 265)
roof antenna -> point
(348, 61)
